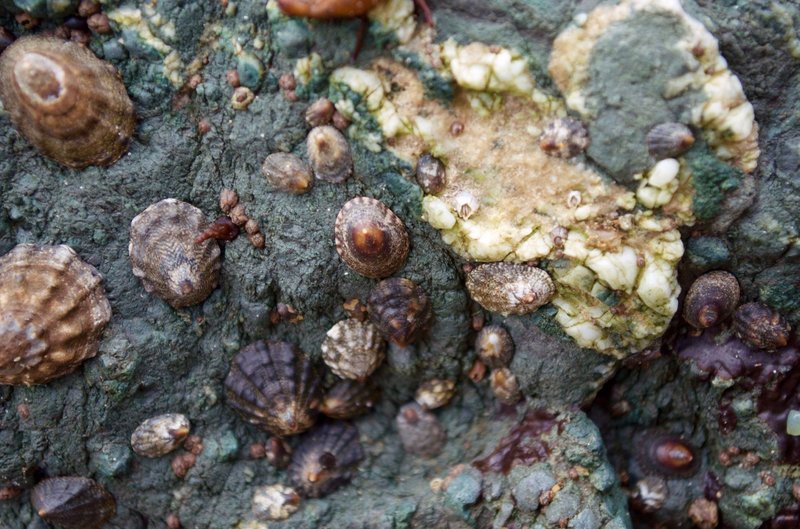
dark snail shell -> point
(420, 431)
(668, 140)
(329, 154)
(431, 174)
(370, 238)
(166, 257)
(274, 386)
(73, 503)
(286, 172)
(666, 455)
(353, 349)
(69, 104)
(348, 399)
(508, 288)
(494, 346)
(711, 299)
(53, 310)
(564, 138)
(400, 310)
(325, 459)
(761, 327)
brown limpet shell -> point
(505, 386)
(668, 140)
(274, 386)
(160, 435)
(420, 431)
(53, 310)
(400, 310)
(761, 327)
(287, 172)
(667, 455)
(711, 299)
(510, 288)
(370, 238)
(325, 459)
(349, 398)
(494, 346)
(73, 502)
(165, 256)
(69, 104)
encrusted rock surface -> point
(176, 60)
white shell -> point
(160, 435)
(275, 502)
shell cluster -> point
(711, 299)
(287, 172)
(400, 310)
(160, 435)
(564, 138)
(669, 140)
(166, 258)
(329, 154)
(420, 431)
(761, 327)
(370, 238)
(494, 346)
(274, 386)
(353, 349)
(325, 459)
(348, 399)
(53, 310)
(73, 502)
(69, 104)
(509, 288)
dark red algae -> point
(774, 375)
(523, 444)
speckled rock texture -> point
(190, 143)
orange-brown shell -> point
(69, 104)
(53, 310)
(711, 299)
(327, 9)
(370, 238)
(165, 256)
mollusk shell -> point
(160, 435)
(400, 310)
(711, 299)
(669, 140)
(353, 349)
(274, 386)
(370, 238)
(666, 455)
(761, 327)
(73, 502)
(420, 431)
(494, 346)
(53, 310)
(508, 288)
(329, 154)
(325, 459)
(348, 399)
(69, 104)
(166, 258)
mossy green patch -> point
(712, 179)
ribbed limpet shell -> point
(509, 288)
(53, 310)
(69, 104)
(73, 502)
(166, 257)
(325, 459)
(353, 349)
(400, 309)
(274, 386)
(370, 238)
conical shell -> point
(761, 327)
(494, 346)
(274, 386)
(370, 238)
(420, 431)
(353, 349)
(160, 435)
(166, 258)
(508, 288)
(711, 299)
(400, 310)
(69, 104)
(73, 503)
(348, 399)
(53, 310)
(326, 459)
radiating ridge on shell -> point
(69, 104)
(53, 310)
